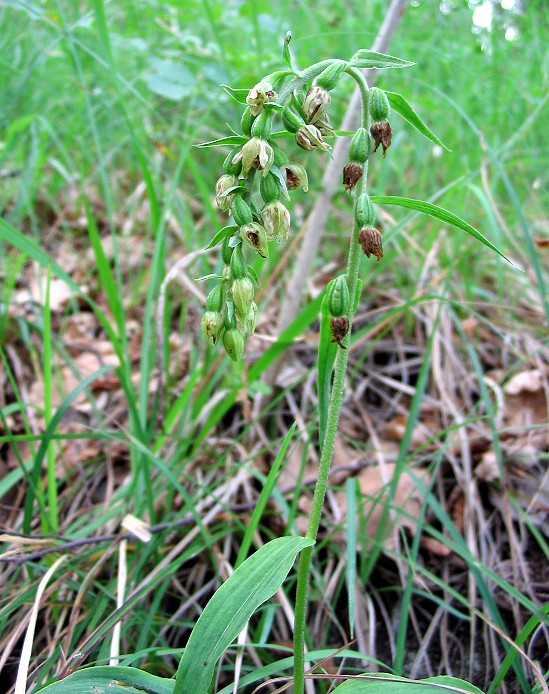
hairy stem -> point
(338, 389)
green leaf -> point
(402, 107)
(383, 683)
(327, 352)
(230, 140)
(273, 106)
(438, 213)
(286, 53)
(229, 609)
(237, 94)
(233, 189)
(212, 276)
(112, 679)
(253, 275)
(221, 234)
(368, 59)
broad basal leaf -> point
(232, 605)
(383, 683)
(111, 679)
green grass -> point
(105, 166)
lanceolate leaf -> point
(383, 683)
(237, 94)
(230, 140)
(286, 53)
(368, 59)
(111, 679)
(438, 213)
(403, 108)
(231, 606)
(221, 234)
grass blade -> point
(264, 497)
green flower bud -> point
(238, 265)
(243, 293)
(211, 326)
(234, 343)
(257, 153)
(263, 125)
(361, 144)
(378, 104)
(223, 184)
(255, 236)
(241, 211)
(364, 211)
(316, 103)
(226, 250)
(291, 120)
(330, 77)
(296, 177)
(276, 221)
(233, 162)
(338, 297)
(269, 187)
(252, 318)
(246, 122)
(214, 301)
(309, 137)
(259, 95)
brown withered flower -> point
(382, 133)
(352, 173)
(340, 327)
(370, 240)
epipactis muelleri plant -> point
(255, 189)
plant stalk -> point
(334, 410)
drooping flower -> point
(309, 137)
(276, 221)
(257, 153)
(258, 95)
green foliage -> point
(227, 613)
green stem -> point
(334, 410)
(302, 78)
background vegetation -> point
(106, 412)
